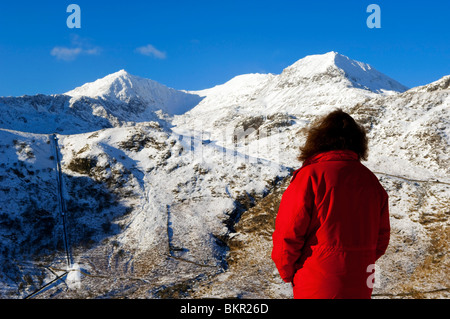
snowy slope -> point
(410, 132)
(29, 215)
(153, 199)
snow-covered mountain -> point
(315, 81)
(133, 90)
(116, 100)
(309, 87)
(340, 69)
(262, 112)
(172, 193)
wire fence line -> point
(436, 181)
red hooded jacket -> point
(332, 224)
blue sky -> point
(198, 44)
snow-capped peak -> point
(125, 87)
(312, 65)
(358, 74)
(120, 85)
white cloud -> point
(80, 47)
(66, 54)
(150, 50)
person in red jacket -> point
(333, 219)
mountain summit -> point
(341, 68)
(121, 86)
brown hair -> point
(335, 131)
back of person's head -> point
(335, 131)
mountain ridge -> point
(121, 98)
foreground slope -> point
(143, 206)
